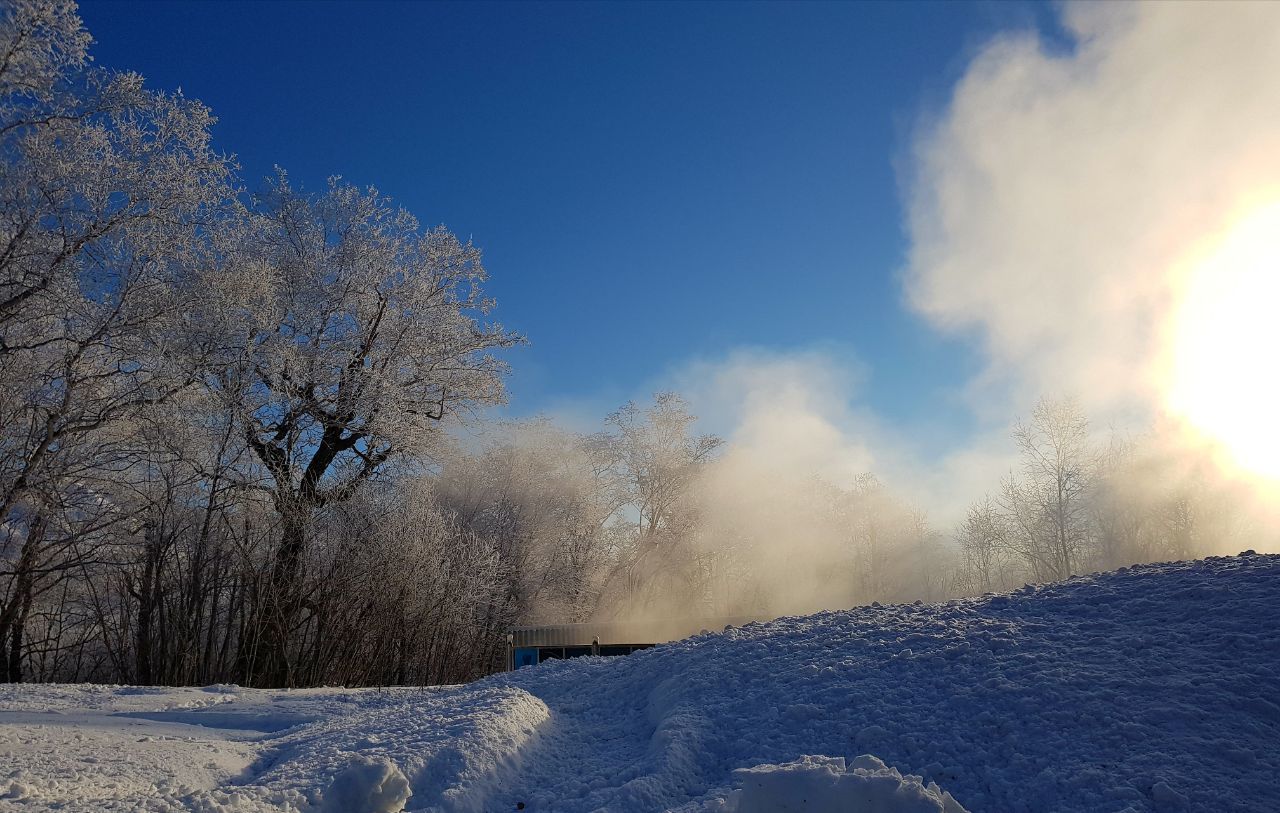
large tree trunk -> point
(13, 615)
(148, 598)
(272, 665)
(17, 631)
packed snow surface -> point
(1154, 688)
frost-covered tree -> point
(1048, 505)
(410, 594)
(1148, 503)
(893, 551)
(362, 332)
(655, 459)
(543, 495)
(106, 197)
(983, 541)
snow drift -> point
(823, 783)
(1153, 688)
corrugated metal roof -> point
(624, 632)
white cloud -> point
(1050, 205)
(789, 415)
(1053, 208)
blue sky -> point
(650, 183)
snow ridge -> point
(1153, 688)
(1150, 688)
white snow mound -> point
(824, 783)
(367, 786)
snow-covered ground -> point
(1152, 688)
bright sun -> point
(1225, 345)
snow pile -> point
(818, 783)
(233, 750)
(1154, 689)
(367, 785)
(400, 745)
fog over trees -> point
(226, 446)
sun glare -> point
(1225, 345)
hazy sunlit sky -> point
(650, 183)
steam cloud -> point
(1051, 208)
(1055, 208)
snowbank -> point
(1154, 688)
(817, 783)
(367, 785)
